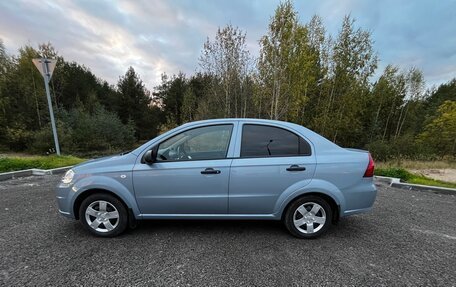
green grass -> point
(43, 162)
(409, 177)
(419, 179)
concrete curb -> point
(33, 171)
(396, 182)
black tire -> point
(118, 225)
(308, 199)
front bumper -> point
(64, 195)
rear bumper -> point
(360, 199)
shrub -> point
(404, 147)
(99, 131)
(380, 150)
(81, 132)
(18, 137)
(43, 139)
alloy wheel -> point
(102, 216)
(309, 217)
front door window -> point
(204, 143)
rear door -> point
(269, 159)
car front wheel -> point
(308, 217)
(103, 215)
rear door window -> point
(268, 141)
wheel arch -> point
(103, 184)
(83, 195)
(317, 187)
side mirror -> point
(149, 157)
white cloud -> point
(167, 36)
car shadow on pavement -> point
(209, 226)
(347, 227)
(351, 227)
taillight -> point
(370, 168)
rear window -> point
(268, 141)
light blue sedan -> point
(223, 169)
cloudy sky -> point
(167, 36)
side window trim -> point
(230, 143)
(300, 138)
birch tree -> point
(275, 60)
(289, 64)
(228, 61)
(354, 63)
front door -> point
(190, 175)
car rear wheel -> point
(103, 215)
(308, 217)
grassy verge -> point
(409, 177)
(42, 162)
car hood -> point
(112, 163)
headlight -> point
(68, 177)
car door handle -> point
(295, 167)
(210, 170)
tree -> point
(354, 62)
(290, 65)
(133, 103)
(387, 97)
(276, 60)
(227, 60)
(440, 133)
(445, 92)
(25, 105)
(171, 95)
(5, 66)
(415, 91)
(320, 45)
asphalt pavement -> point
(409, 239)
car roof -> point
(252, 120)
